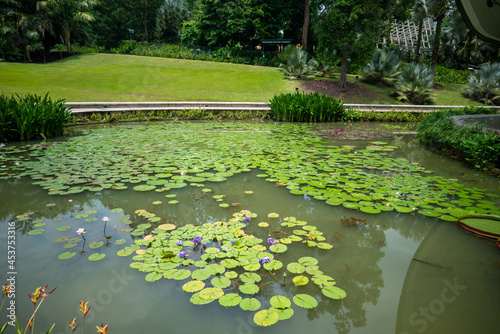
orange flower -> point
(6, 288)
(84, 308)
(72, 324)
(103, 329)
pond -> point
(337, 228)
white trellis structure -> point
(405, 34)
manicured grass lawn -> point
(105, 77)
(108, 78)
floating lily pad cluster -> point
(221, 262)
(168, 156)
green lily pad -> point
(96, 244)
(295, 268)
(249, 288)
(221, 282)
(278, 248)
(230, 299)
(273, 265)
(197, 300)
(63, 228)
(153, 277)
(273, 215)
(66, 255)
(307, 261)
(265, 318)
(211, 293)
(283, 313)
(96, 256)
(36, 231)
(144, 187)
(280, 302)
(201, 274)
(300, 280)
(333, 292)
(305, 301)
(250, 304)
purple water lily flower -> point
(264, 259)
(204, 245)
(197, 240)
(271, 241)
(179, 242)
(247, 219)
(182, 254)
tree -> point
(419, 14)
(220, 22)
(348, 26)
(438, 9)
(170, 18)
(144, 12)
(305, 28)
(71, 16)
(461, 47)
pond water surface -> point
(403, 272)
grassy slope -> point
(106, 77)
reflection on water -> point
(403, 273)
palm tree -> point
(72, 16)
(419, 13)
(484, 85)
(382, 67)
(296, 64)
(414, 85)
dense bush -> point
(31, 116)
(414, 85)
(484, 85)
(470, 143)
(447, 75)
(301, 107)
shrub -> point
(296, 64)
(470, 143)
(382, 68)
(447, 75)
(414, 85)
(484, 85)
(301, 107)
(31, 116)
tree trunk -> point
(437, 40)
(419, 41)
(145, 26)
(343, 71)
(305, 28)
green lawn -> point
(107, 78)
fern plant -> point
(414, 85)
(296, 64)
(484, 85)
(382, 68)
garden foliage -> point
(382, 68)
(470, 143)
(301, 107)
(31, 116)
(414, 85)
(484, 85)
(296, 65)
